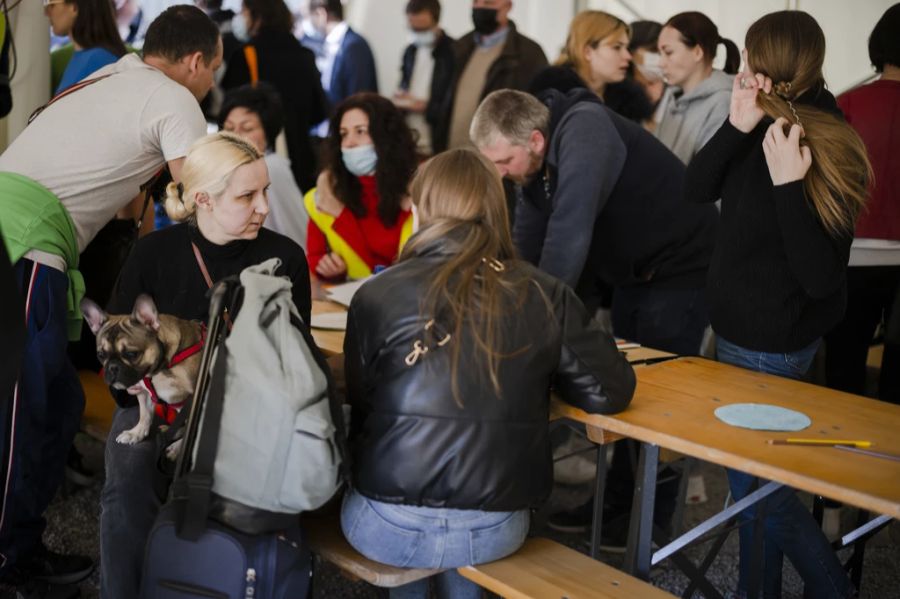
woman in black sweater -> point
(222, 197)
(291, 69)
(791, 190)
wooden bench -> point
(544, 569)
(327, 541)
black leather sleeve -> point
(592, 374)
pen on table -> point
(821, 442)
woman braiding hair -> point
(791, 191)
(787, 50)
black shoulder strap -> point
(192, 486)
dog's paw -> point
(173, 450)
(132, 436)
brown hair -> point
(459, 195)
(697, 29)
(789, 48)
(394, 145)
(588, 28)
(95, 26)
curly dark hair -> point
(396, 150)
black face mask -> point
(485, 20)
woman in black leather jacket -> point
(450, 356)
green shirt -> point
(32, 218)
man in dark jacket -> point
(342, 55)
(425, 72)
(493, 56)
(598, 195)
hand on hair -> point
(745, 114)
(326, 201)
(788, 161)
(331, 266)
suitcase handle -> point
(192, 485)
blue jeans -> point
(421, 537)
(128, 508)
(789, 527)
(39, 421)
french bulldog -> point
(147, 345)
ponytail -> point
(789, 48)
(732, 56)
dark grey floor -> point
(73, 525)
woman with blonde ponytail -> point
(448, 378)
(221, 203)
(792, 177)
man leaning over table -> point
(84, 157)
(598, 197)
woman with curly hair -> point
(359, 213)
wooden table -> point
(330, 342)
(674, 406)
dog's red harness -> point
(168, 411)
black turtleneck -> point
(777, 280)
(163, 266)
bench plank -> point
(327, 540)
(544, 569)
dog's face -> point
(128, 346)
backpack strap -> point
(69, 90)
(252, 63)
(192, 487)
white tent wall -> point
(846, 24)
(31, 84)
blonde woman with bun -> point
(220, 206)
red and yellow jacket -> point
(363, 243)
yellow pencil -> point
(825, 442)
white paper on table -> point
(344, 292)
(331, 321)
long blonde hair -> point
(459, 195)
(588, 28)
(789, 48)
(208, 167)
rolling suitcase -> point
(202, 545)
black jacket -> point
(441, 77)
(291, 69)
(412, 444)
(518, 63)
(608, 203)
(777, 280)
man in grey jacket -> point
(599, 197)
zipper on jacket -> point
(250, 589)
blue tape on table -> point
(763, 417)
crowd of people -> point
(494, 190)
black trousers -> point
(871, 291)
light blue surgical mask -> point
(239, 28)
(423, 39)
(360, 160)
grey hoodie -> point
(690, 120)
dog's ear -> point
(145, 312)
(93, 314)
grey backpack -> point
(278, 447)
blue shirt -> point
(84, 63)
